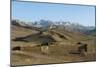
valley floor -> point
(59, 53)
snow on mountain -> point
(46, 24)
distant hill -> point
(30, 33)
(44, 25)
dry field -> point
(58, 51)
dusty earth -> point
(58, 52)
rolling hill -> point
(61, 42)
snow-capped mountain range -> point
(46, 24)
